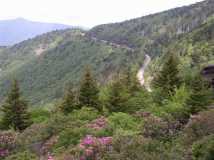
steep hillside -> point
(64, 57)
(197, 45)
(151, 32)
(17, 30)
(195, 50)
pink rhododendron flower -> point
(91, 146)
(3, 152)
(50, 157)
(98, 124)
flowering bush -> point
(92, 146)
(98, 124)
(49, 144)
(3, 152)
(199, 126)
(50, 157)
(158, 128)
(7, 139)
(7, 143)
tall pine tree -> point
(89, 92)
(14, 109)
(200, 96)
(168, 79)
(118, 96)
(68, 103)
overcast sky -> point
(85, 13)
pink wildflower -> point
(88, 152)
(50, 157)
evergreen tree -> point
(201, 94)
(168, 78)
(89, 92)
(68, 103)
(14, 109)
(118, 97)
(130, 81)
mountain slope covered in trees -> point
(152, 32)
(43, 65)
(64, 55)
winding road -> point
(140, 74)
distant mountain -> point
(16, 30)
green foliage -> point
(39, 115)
(84, 114)
(65, 55)
(26, 155)
(141, 100)
(176, 106)
(71, 136)
(117, 97)
(89, 92)
(201, 95)
(199, 126)
(204, 149)
(15, 110)
(68, 102)
(136, 147)
(168, 79)
(122, 121)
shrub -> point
(85, 114)
(22, 156)
(204, 149)
(122, 121)
(71, 136)
(158, 128)
(126, 147)
(40, 115)
(7, 143)
(199, 126)
(140, 100)
(34, 134)
(176, 105)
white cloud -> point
(84, 12)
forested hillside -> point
(44, 64)
(151, 33)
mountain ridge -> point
(17, 30)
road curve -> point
(140, 74)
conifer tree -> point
(118, 97)
(168, 78)
(89, 92)
(130, 81)
(14, 109)
(200, 96)
(68, 103)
